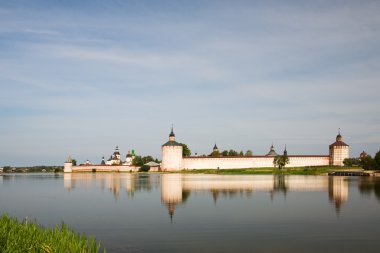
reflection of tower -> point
(338, 191)
(68, 181)
(115, 185)
(130, 184)
(171, 191)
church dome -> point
(339, 141)
(272, 152)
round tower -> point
(338, 151)
(171, 154)
(68, 165)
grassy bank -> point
(24, 236)
(316, 170)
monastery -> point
(173, 160)
(114, 163)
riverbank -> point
(323, 170)
(27, 236)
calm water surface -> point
(203, 213)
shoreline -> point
(316, 170)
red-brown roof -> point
(338, 143)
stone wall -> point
(250, 162)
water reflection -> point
(367, 186)
(338, 191)
(177, 188)
(114, 182)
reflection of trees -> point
(230, 193)
(367, 185)
(279, 185)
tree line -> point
(367, 162)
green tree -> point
(281, 161)
(349, 162)
(141, 160)
(224, 153)
(232, 152)
(137, 161)
(367, 162)
(377, 160)
(249, 153)
(144, 168)
(241, 153)
(185, 150)
(74, 162)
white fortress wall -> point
(301, 161)
(217, 162)
(250, 162)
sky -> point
(80, 77)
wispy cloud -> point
(242, 73)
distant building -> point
(272, 152)
(154, 167)
(114, 158)
(114, 163)
(363, 154)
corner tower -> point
(338, 151)
(171, 154)
(68, 165)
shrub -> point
(144, 168)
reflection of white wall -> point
(307, 183)
(254, 183)
(215, 182)
(171, 188)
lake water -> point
(203, 213)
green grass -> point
(25, 236)
(315, 170)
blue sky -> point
(80, 77)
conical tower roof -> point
(272, 152)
